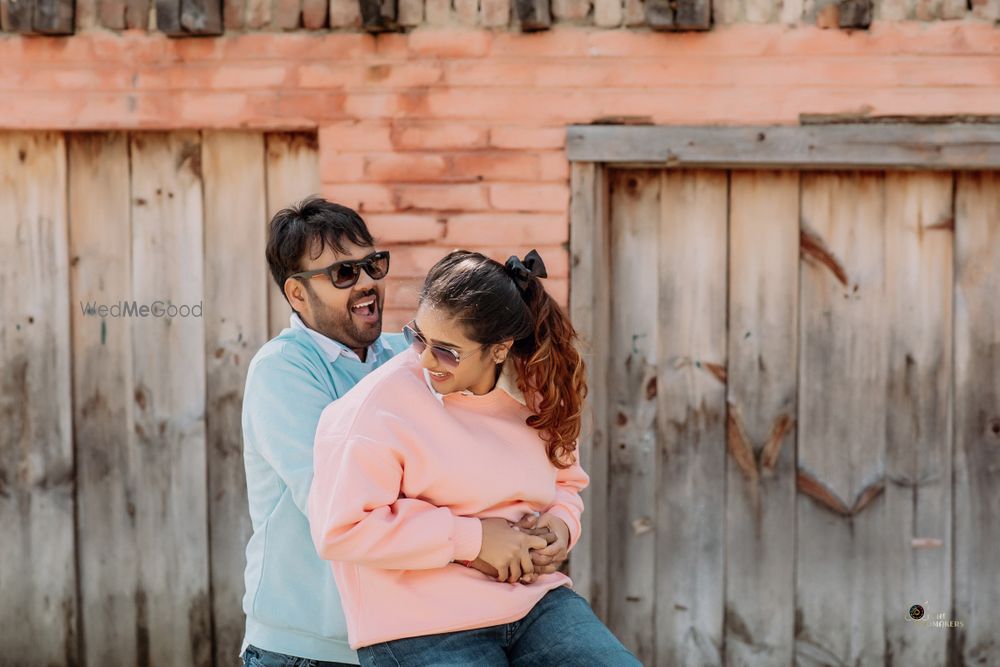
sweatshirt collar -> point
(331, 349)
(506, 382)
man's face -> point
(350, 316)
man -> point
(324, 259)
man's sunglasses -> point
(346, 273)
(446, 356)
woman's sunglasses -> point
(446, 356)
(346, 273)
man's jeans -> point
(560, 630)
(257, 657)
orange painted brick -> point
(442, 197)
(554, 166)
(341, 167)
(319, 105)
(406, 228)
(492, 229)
(438, 136)
(496, 166)
(553, 43)
(414, 261)
(375, 75)
(363, 136)
(450, 43)
(402, 294)
(249, 76)
(405, 167)
(362, 197)
(521, 197)
(528, 137)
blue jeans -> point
(560, 630)
(258, 657)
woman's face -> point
(476, 372)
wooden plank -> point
(85, 15)
(37, 576)
(16, 15)
(137, 14)
(314, 14)
(919, 274)
(110, 13)
(762, 379)
(589, 304)
(168, 16)
(856, 14)
(492, 13)
(169, 393)
(286, 14)
(235, 328)
(861, 146)
(258, 14)
(977, 418)
(677, 15)
(234, 14)
(608, 13)
(103, 399)
(377, 15)
(635, 219)
(840, 560)
(178, 18)
(202, 17)
(292, 175)
(533, 15)
(691, 466)
(54, 17)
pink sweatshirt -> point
(402, 476)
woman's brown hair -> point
(496, 303)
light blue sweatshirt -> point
(291, 601)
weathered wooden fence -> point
(796, 382)
(122, 495)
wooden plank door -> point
(37, 570)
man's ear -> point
(295, 292)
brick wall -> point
(454, 138)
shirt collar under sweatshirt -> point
(331, 349)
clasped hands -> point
(520, 552)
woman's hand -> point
(508, 550)
(548, 559)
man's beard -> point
(340, 326)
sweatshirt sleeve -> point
(282, 403)
(356, 513)
(568, 504)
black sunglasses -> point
(346, 273)
(446, 356)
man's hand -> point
(556, 531)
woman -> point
(425, 465)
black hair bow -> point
(523, 270)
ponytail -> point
(552, 374)
(499, 302)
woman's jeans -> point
(560, 630)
